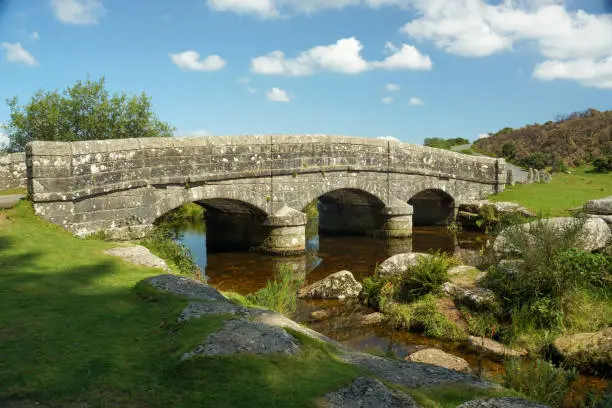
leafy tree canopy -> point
(445, 143)
(85, 111)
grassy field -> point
(75, 328)
(563, 193)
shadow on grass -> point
(73, 329)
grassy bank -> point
(563, 193)
(14, 191)
(73, 328)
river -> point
(246, 272)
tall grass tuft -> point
(280, 294)
(539, 379)
(427, 276)
(163, 241)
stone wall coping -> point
(43, 148)
(12, 158)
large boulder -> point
(397, 264)
(439, 358)
(339, 285)
(603, 206)
(185, 287)
(473, 296)
(594, 235)
(138, 255)
(587, 349)
(365, 392)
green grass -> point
(563, 193)
(14, 191)
(76, 326)
(453, 395)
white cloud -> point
(261, 8)
(596, 73)
(278, 95)
(190, 60)
(14, 52)
(344, 57)
(387, 100)
(392, 87)
(78, 11)
(577, 45)
(192, 133)
(246, 83)
(394, 139)
(483, 135)
(35, 36)
(415, 101)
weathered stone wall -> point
(12, 171)
(122, 186)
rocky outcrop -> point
(603, 206)
(371, 318)
(339, 285)
(241, 336)
(594, 233)
(494, 348)
(398, 264)
(365, 392)
(185, 287)
(472, 208)
(472, 296)
(587, 349)
(504, 402)
(439, 358)
(139, 255)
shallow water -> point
(246, 272)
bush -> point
(591, 269)
(539, 380)
(603, 164)
(559, 166)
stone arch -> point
(432, 206)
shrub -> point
(481, 323)
(603, 164)
(280, 294)
(539, 380)
(591, 269)
(509, 150)
(559, 166)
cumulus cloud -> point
(190, 60)
(343, 57)
(387, 100)
(415, 101)
(278, 95)
(483, 135)
(14, 52)
(392, 87)
(577, 45)
(394, 139)
(78, 11)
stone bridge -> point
(122, 186)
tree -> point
(509, 151)
(85, 111)
(537, 161)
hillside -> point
(575, 139)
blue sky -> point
(410, 69)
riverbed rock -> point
(473, 296)
(339, 285)
(319, 314)
(594, 234)
(242, 336)
(603, 206)
(494, 347)
(365, 392)
(587, 349)
(439, 358)
(503, 402)
(371, 318)
(398, 264)
(138, 255)
(502, 207)
(185, 287)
